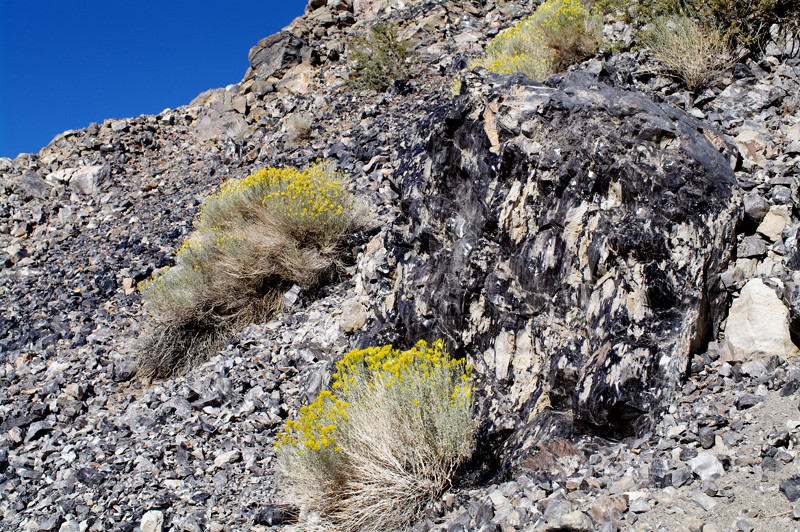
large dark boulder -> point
(568, 239)
(273, 56)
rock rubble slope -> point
(619, 259)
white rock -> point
(497, 498)
(227, 458)
(751, 145)
(503, 350)
(354, 316)
(152, 521)
(757, 323)
(774, 222)
(87, 180)
(706, 466)
(703, 500)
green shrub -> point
(696, 56)
(558, 34)
(254, 238)
(370, 454)
(378, 58)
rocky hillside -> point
(618, 257)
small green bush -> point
(558, 34)
(378, 58)
(370, 454)
(254, 238)
(696, 56)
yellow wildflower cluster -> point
(422, 377)
(423, 363)
(314, 197)
(316, 425)
(533, 45)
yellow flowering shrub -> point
(254, 238)
(385, 441)
(558, 34)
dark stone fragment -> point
(276, 54)
(790, 388)
(201, 497)
(791, 488)
(19, 421)
(51, 523)
(424, 526)
(31, 185)
(748, 401)
(212, 399)
(687, 453)
(124, 370)
(707, 437)
(90, 476)
(460, 523)
(680, 476)
(275, 514)
(752, 246)
(660, 474)
(768, 463)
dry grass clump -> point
(297, 126)
(686, 50)
(254, 238)
(558, 34)
(744, 23)
(370, 454)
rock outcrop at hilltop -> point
(569, 239)
(580, 241)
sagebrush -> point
(558, 34)
(695, 55)
(385, 441)
(254, 238)
(744, 23)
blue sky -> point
(66, 64)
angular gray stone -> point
(755, 207)
(782, 195)
(752, 246)
(31, 185)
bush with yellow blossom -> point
(255, 238)
(558, 34)
(385, 441)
